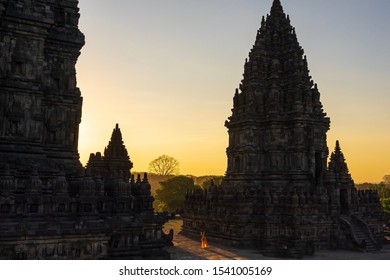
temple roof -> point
(115, 147)
(337, 164)
(277, 71)
(276, 53)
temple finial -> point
(276, 7)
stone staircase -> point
(361, 235)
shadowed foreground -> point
(188, 249)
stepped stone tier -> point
(50, 206)
(278, 193)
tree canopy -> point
(386, 179)
(170, 197)
(382, 188)
(164, 165)
(386, 205)
(207, 183)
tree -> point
(170, 197)
(207, 183)
(382, 188)
(386, 205)
(386, 179)
(164, 165)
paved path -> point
(187, 249)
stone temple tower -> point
(277, 131)
(278, 194)
(40, 109)
(50, 206)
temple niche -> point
(279, 193)
(51, 207)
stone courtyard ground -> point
(188, 249)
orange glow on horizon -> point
(169, 79)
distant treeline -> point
(201, 181)
(169, 190)
(382, 188)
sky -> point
(166, 71)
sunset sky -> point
(166, 71)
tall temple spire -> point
(276, 102)
(277, 184)
(337, 165)
(116, 155)
(115, 147)
(277, 62)
(45, 195)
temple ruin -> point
(279, 193)
(50, 206)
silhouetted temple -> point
(50, 206)
(278, 193)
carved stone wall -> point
(50, 206)
(278, 194)
(40, 109)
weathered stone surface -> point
(50, 206)
(41, 105)
(278, 193)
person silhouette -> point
(203, 240)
